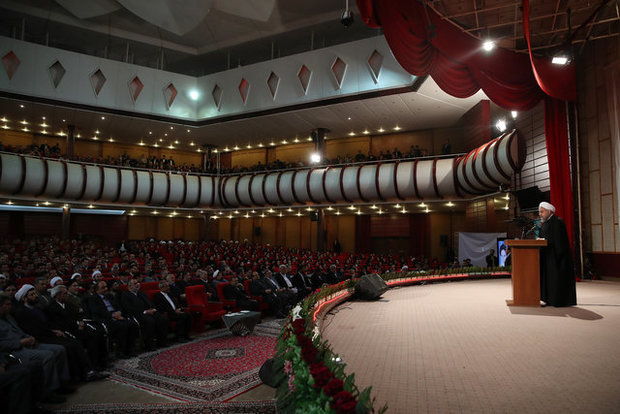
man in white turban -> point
(557, 276)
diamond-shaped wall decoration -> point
(244, 89)
(135, 87)
(97, 79)
(339, 68)
(170, 94)
(272, 83)
(217, 96)
(57, 72)
(11, 62)
(375, 62)
(304, 75)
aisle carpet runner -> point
(201, 376)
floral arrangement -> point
(311, 377)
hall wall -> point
(599, 176)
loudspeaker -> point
(314, 216)
(266, 374)
(257, 231)
(370, 287)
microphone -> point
(532, 229)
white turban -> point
(22, 291)
(95, 273)
(55, 280)
(547, 206)
(73, 276)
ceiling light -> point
(501, 125)
(397, 128)
(97, 131)
(450, 204)
(559, 60)
(284, 142)
(488, 45)
(309, 139)
(44, 125)
(351, 134)
(514, 114)
(381, 130)
(236, 148)
(24, 122)
(4, 119)
(21, 106)
(366, 132)
(351, 207)
(103, 118)
(194, 95)
(260, 145)
(422, 204)
(44, 132)
(176, 142)
(191, 144)
(188, 130)
(171, 127)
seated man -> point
(235, 291)
(65, 319)
(102, 308)
(52, 357)
(168, 305)
(137, 304)
(33, 321)
(260, 287)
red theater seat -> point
(200, 307)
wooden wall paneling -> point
(292, 235)
(305, 232)
(268, 230)
(347, 146)
(346, 233)
(294, 152)
(440, 225)
(249, 158)
(165, 228)
(224, 227)
(42, 224)
(362, 234)
(246, 229)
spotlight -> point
(315, 158)
(559, 60)
(488, 45)
(501, 125)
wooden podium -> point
(525, 272)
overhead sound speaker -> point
(370, 287)
(257, 231)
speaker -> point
(314, 216)
(266, 374)
(370, 287)
(257, 231)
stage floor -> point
(456, 347)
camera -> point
(347, 18)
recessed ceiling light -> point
(97, 131)
(351, 134)
(381, 130)
(21, 106)
(366, 132)
(176, 142)
(397, 128)
(191, 144)
(559, 60)
(103, 118)
(171, 127)
(348, 118)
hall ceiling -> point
(209, 36)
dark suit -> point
(209, 288)
(303, 285)
(183, 320)
(123, 331)
(238, 294)
(154, 325)
(34, 322)
(259, 287)
(91, 335)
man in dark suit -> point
(332, 276)
(302, 282)
(492, 260)
(153, 324)
(262, 288)
(34, 322)
(284, 279)
(168, 305)
(104, 309)
(61, 317)
(235, 291)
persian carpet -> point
(199, 376)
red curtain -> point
(556, 133)
(425, 44)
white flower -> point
(315, 332)
(296, 310)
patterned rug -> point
(201, 376)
